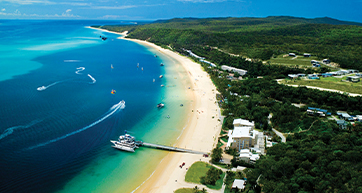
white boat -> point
(41, 88)
(154, 80)
(124, 148)
(161, 76)
(160, 105)
(125, 142)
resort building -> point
(345, 116)
(243, 136)
(353, 78)
(243, 123)
(296, 76)
(232, 69)
(313, 76)
(352, 71)
(326, 61)
(292, 54)
(194, 55)
(342, 124)
(307, 55)
(318, 111)
(238, 184)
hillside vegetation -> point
(259, 38)
(318, 156)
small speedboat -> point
(161, 64)
(41, 88)
(161, 76)
(160, 105)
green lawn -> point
(198, 170)
(301, 61)
(329, 83)
(225, 138)
(184, 190)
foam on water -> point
(80, 69)
(10, 130)
(94, 80)
(41, 88)
(112, 110)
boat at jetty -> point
(160, 105)
(126, 143)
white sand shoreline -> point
(200, 133)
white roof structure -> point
(254, 157)
(238, 183)
(241, 132)
(243, 122)
(228, 68)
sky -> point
(346, 10)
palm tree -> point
(203, 190)
(196, 189)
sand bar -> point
(200, 134)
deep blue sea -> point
(57, 139)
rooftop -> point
(242, 132)
(238, 183)
(243, 122)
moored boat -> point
(160, 105)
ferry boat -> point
(126, 143)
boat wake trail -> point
(112, 110)
(71, 60)
(45, 87)
(94, 80)
(10, 130)
(80, 69)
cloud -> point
(15, 13)
(209, 1)
(27, 2)
(202, 1)
(3, 9)
(110, 17)
(18, 14)
(114, 7)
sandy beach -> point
(200, 133)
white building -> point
(238, 184)
(232, 69)
(242, 138)
(243, 123)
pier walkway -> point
(170, 148)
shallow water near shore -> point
(57, 139)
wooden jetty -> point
(170, 148)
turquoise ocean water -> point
(57, 139)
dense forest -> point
(318, 156)
(259, 38)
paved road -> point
(280, 135)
